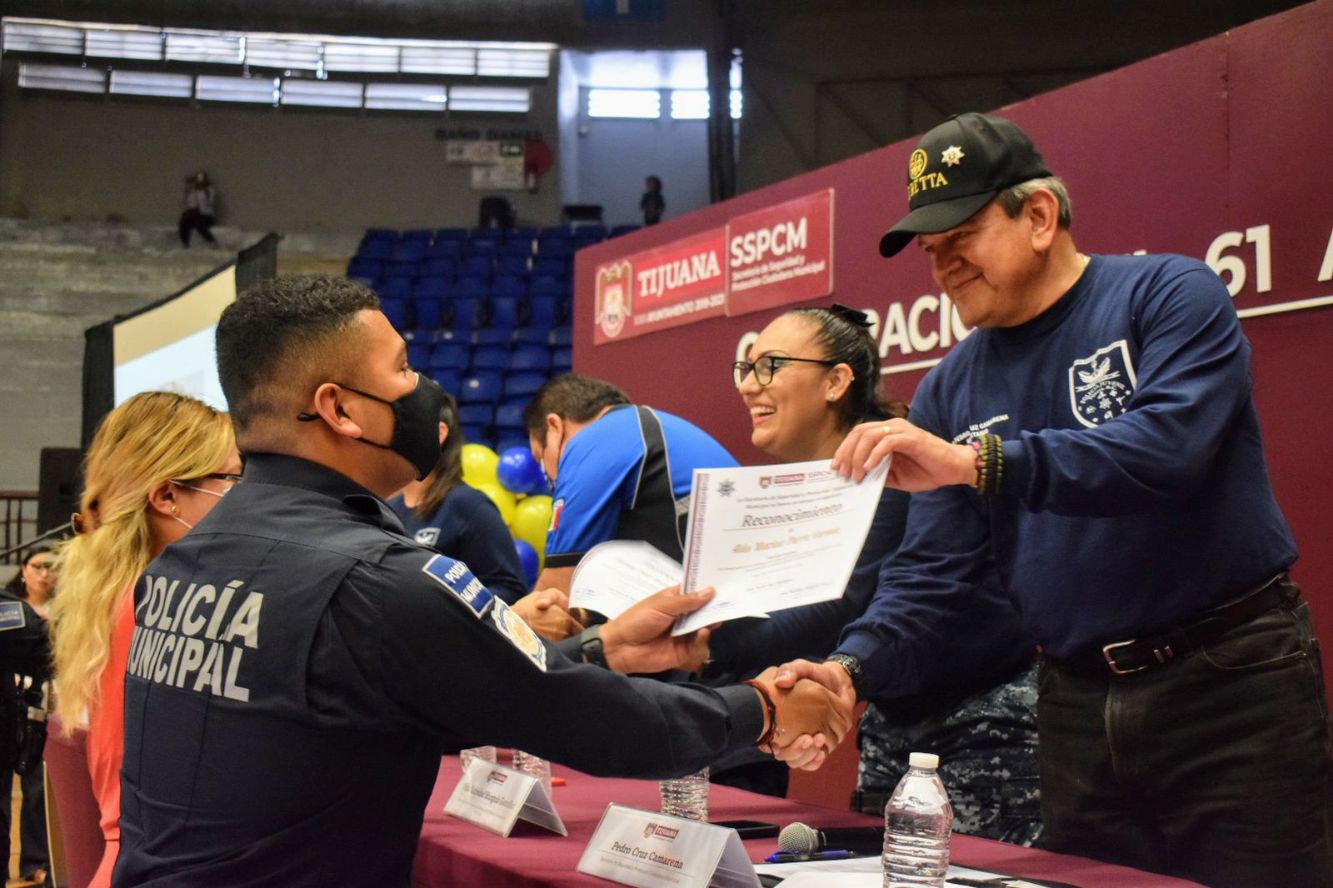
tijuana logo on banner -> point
(615, 297)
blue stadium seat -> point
(418, 353)
(547, 287)
(380, 234)
(562, 336)
(375, 250)
(550, 266)
(394, 288)
(504, 313)
(507, 438)
(431, 288)
(477, 266)
(399, 313)
(408, 251)
(449, 380)
(477, 434)
(399, 269)
(476, 414)
(555, 246)
(487, 234)
(532, 336)
(441, 267)
(471, 287)
(516, 266)
(544, 312)
(530, 357)
(511, 286)
(447, 249)
(522, 383)
(364, 268)
(481, 248)
(562, 359)
(519, 249)
(424, 235)
(509, 416)
(493, 337)
(482, 387)
(466, 315)
(451, 234)
(592, 233)
(429, 313)
(490, 357)
(527, 234)
(454, 356)
(555, 231)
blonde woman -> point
(158, 464)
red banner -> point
(781, 254)
(679, 283)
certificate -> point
(773, 537)
(619, 573)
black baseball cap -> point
(957, 168)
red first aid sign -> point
(780, 254)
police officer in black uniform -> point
(299, 665)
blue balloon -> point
(528, 556)
(519, 472)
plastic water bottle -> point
(686, 796)
(917, 823)
(537, 767)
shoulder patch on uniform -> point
(427, 536)
(12, 616)
(455, 576)
(519, 633)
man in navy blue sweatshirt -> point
(1094, 446)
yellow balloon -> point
(503, 499)
(531, 520)
(479, 464)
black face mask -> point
(416, 424)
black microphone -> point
(797, 838)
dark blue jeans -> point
(1216, 767)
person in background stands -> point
(442, 512)
(652, 203)
(199, 213)
(158, 463)
(34, 584)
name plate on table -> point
(495, 798)
(649, 850)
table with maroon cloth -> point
(455, 853)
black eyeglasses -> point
(231, 479)
(764, 368)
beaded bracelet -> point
(989, 451)
(771, 712)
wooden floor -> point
(12, 865)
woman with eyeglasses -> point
(34, 584)
(812, 375)
(158, 463)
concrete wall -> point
(287, 170)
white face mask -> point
(188, 525)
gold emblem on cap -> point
(916, 164)
(952, 156)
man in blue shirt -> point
(620, 471)
(1094, 447)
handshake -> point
(808, 711)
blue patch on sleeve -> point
(454, 576)
(11, 615)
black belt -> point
(1140, 654)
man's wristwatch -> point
(854, 670)
(590, 645)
